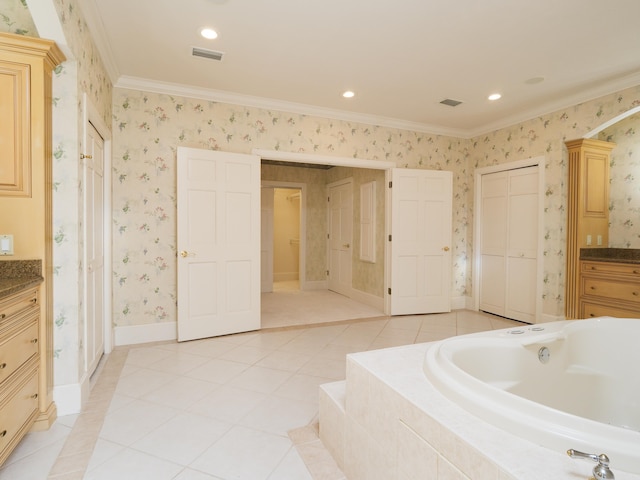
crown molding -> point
(100, 38)
(145, 85)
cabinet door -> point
(15, 161)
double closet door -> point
(509, 243)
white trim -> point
(605, 125)
(302, 251)
(69, 399)
(368, 299)
(529, 162)
(223, 96)
(152, 332)
(312, 158)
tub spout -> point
(600, 471)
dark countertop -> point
(17, 275)
(619, 255)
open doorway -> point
(286, 239)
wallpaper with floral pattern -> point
(82, 72)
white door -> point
(93, 171)
(266, 239)
(340, 236)
(509, 243)
(218, 243)
(421, 219)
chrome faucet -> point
(600, 471)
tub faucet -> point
(600, 471)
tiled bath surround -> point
(386, 421)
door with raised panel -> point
(218, 243)
(421, 218)
(93, 169)
(340, 236)
(509, 243)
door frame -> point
(91, 115)
(354, 163)
(302, 252)
(477, 212)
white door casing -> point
(421, 235)
(94, 266)
(340, 236)
(218, 243)
(266, 239)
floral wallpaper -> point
(624, 194)
(82, 72)
(16, 18)
(546, 136)
(147, 129)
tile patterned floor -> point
(235, 407)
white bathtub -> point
(583, 394)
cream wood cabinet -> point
(609, 289)
(588, 210)
(19, 367)
(26, 68)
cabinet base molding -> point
(45, 419)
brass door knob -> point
(446, 249)
(185, 254)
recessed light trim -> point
(494, 97)
(349, 94)
(209, 33)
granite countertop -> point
(17, 275)
(620, 255)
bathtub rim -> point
(542, 425)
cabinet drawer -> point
(18, 410)
(610, 268)
(626, 291)
(590, 310)
(17, 303)
(17, 346)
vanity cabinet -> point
(19, 367)
(587, 210)
(609, 289)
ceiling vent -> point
(450, 102)
(204, 53)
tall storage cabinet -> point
(588, 209)
(26, 66)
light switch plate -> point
(6, 244)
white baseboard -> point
(461, 303)
(152, 332)
(70, 398)
(317, 285)
(367, 299)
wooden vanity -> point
(609, 282)
(20, 350)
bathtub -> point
(568, 384)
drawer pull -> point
(592, 315)
(3, 433)
(3, 316)
(592, 287)
(635, 294)
(34, 396)
(3, 366)
(35, 340)
(34, 300)
(636, 272)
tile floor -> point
(223, 408)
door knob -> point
(446, 249)
(346, 245)
(185, 254)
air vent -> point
(450, 102)
(204, 53)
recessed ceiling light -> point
(495, 96)
(348, 94)
(209, 33)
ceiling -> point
(400, 57)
